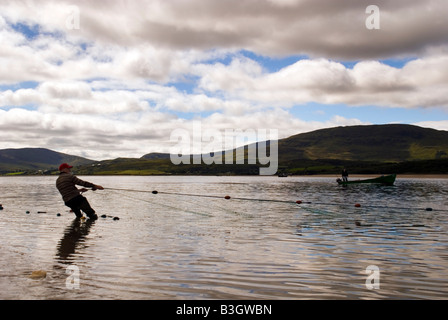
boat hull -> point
(384, 180)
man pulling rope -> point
(66, 184)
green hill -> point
(393, 148)
(377, 143)
(364, 149)
(380, 143)
(30, 160)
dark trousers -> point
(79, 203)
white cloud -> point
(96, 136)
(439, 125)
(420, 83)
(19, 97)
(49, 58)
(74, 97)
(101, 137)
(108, 88)
(335, 29)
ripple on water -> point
(176, 247)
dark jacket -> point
(66, 184)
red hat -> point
(64, 166)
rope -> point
(161, 204)
(206, 196)
(275, 200)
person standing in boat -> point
(344, 175)
(66, 184)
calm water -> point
(180, 247)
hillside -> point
(365, 149)
(377, 143)
(391, 148)
(380, 143)
(33, 159)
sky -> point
(107, 79)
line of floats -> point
(384, 180)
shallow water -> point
(168, 246)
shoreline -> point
(405, 175)
(351, 176)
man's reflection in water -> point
(72, 242)
(74, 236)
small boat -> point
(282, 175)
(384, 180)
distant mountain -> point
(34, 159)
(156, 155)
(393, 148)
(362, 148)
(381, 143)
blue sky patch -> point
(31, 32)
